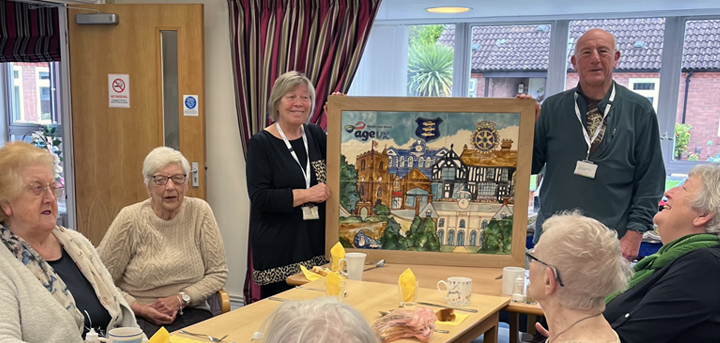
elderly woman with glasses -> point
(165, 253)
(575, 265)
(54, 286)
(673, 295)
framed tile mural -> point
(430, 180)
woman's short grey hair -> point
(321, 320)
(708, 197)
(284, 84)
(588, 258)
(160, 157)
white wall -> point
(227, 192)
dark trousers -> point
(273, 288)
(189, 317)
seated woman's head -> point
(576, 264)
(292, 98)
(692, 207)
(28, 190)
(165, 171)
(322, 320)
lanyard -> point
(597, 130)
(306, 171)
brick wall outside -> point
(703, 105)
(30, 94)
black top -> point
(83, 292)
(678, 303)
(280, 238)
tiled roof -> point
(526, 47)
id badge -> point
(310, 212)
(586, 169)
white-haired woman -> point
(53, 286)
(286, 183)
(673, 296)
(166, 253)
(321, 320)
(575, 265)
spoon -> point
(380, 264)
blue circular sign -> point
(190, 102)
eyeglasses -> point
(162, 180)
(529, 258)
(38, 188)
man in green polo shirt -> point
(600, 145)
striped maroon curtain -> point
(322, 38)
(28, 33)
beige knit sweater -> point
(150, 258)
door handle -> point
(195, 175)
(665, 137)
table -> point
(368, 298)
(484, 282)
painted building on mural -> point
(373, 184)
(462, 223)
(402, 161)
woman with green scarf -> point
(673, 296)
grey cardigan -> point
(29, 313)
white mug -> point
(125, 335)
(458, 290)
(509, 276)
(354, 262)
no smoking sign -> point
(119, 90)
(118, 85)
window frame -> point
(20, 130)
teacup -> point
(125, 335)
(458, 290)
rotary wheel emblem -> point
(485, 138)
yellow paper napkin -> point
(332, 284)
(337, 253)
(310, 275)
(407, 285)
(161, 336)
(458, 319)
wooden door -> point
(110, 144)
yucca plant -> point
(430, 70)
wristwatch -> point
(185, 298)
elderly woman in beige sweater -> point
(166, 253)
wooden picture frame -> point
(430, 112)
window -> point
(430, 60)
(462, 223)
(461, 238)
(647, 87)
(410, 162)
(379, 191)
(382, 165)
(487, 190)
(32, 101)
(473, 238)
(362, 165)
(490, 172)
(509, 59)
(448, 174)
(698, 107)
(440, 235)
(441, 223)
(451, 237)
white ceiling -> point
(514, 10)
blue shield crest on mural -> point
(428, 129)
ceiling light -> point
(445, 9)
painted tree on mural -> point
(348, 185)
(381, 210)
(391, 238)
(498, 236)
(422, 235)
